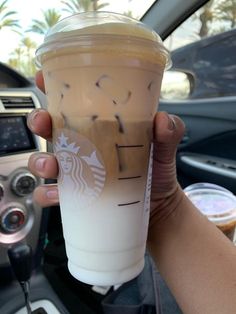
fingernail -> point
(40, 163)
(171, 122)
(52, 194)
(32, 117)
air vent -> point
(17, 102)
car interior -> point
(206, 153)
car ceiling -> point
(165, 15)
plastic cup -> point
(103, 73)
(217, 203)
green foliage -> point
(128, 13)
(22, 58)
(72, 6)
(216, 16)
(50, 18)
(8, 18)
(75, 6)
(226, 11)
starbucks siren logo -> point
(81, 174)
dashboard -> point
(11, 79)
(6, 81)
(22, 221)
(20, 218)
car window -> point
(24, 23)
(203, 54)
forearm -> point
(197, 261)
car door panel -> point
(207, 152)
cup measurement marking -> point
(121, 167)
(131, 203)
(129, 146)
(129, 178)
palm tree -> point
(128, 13)
(22, 57)
(206, 17)
(50, 18)
(12, 62)
(7, 18)
(75, 6)
(28, 65)
(226, 11)
(97, 6)
(29, 45)
(17, 55)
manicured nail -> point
(40, 163)
(171, 122)
(52, 194)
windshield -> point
(24, 23)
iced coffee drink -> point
(103, 74)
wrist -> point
(167, 215)
(163, 209)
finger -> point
(43, 165)
(40, 81)
(168, 131)
(46, 195)
(40, 123)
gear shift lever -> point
(20, 256)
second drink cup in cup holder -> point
(103, 73)
(217, 203)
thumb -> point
(168, 131)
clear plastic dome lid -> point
(205, 185)
(100, 25)
(97, 21)
(218, 205)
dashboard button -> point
(12, 219)
(23, 183)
